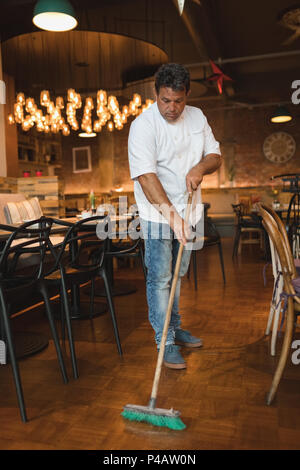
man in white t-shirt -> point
(171, 147)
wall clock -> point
(279, 147)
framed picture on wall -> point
(81, 159)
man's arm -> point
(156, 195)
(209, 164)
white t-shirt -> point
(169, 150)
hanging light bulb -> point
(21, 98)
(97, 126)
(54, 15)
(66, 130)
(40, 126)
(18, 113)
(110, 126)
(59, 102)
(89, 103)
(10, 119)
(137, 99)
(102, 97)
(71, 94)
(45, 98)
(149, 103)
(113, 104)
(29, 104)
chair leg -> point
(189, 268)
(92, 298)
(236, 242)
(111, 309)
(13, 360)
(194, 256)
(62, 317)
(272, 309)
(276, 316)
(45, 295)
(222, 261)
(270, 318)
(69, 328)
(284, 352)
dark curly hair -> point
(173, 76)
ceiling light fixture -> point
(54, 15)
(281, 115)
(105, 112)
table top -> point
(4, 234)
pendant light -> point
(281, 115)
(54, 15)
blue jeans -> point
(161, 249)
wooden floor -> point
(221, 394)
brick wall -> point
(241, 133)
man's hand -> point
(193, 179)
(206, 166)
(182, 230)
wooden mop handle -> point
(168, 314)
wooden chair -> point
(277, 273)
(249, 224)
(291, 294)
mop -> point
(151, 414)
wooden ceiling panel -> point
(82, 60)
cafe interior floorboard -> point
(221, 394)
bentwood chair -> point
(294, 267)
(290, 294)
(30, 240)
(84, 264)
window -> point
(82, 159)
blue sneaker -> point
(172, 357)
(186, 339)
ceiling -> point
(245, 38)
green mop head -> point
(156, 416)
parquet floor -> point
(221, 394)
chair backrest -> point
(280, 225)
(276, 267)
(29, 239)
(81, 238)
(278, 241)
(245, 201)
(240, 211)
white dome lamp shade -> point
(54, 15)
